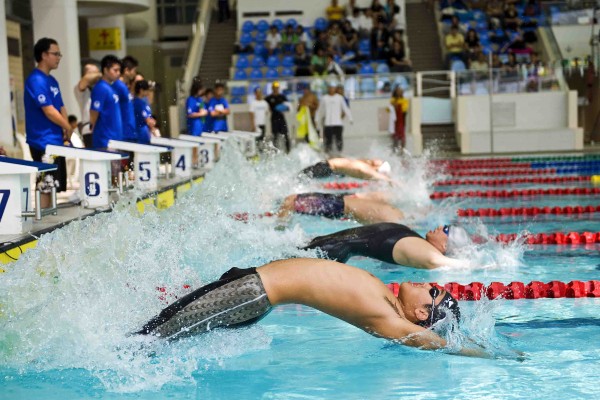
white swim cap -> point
(457, 238)
(385, 168)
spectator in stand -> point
(452, 7)
(303, 37)
(273, 40)
(511, 66)
(454, 22)
(350, 8)
(472, 44)
(219, 109)
(479, 63)
(335, 38)
(105, 114)
(334, 12)
(322, 42)
(318, 62)
(397, 59)
(495, 12)
(518, 46)
(455, 43)
(121, 88)
(333, 69)
(196, 108)
(279, 104)
(398, 109)
(224, 12)
(534, 63)
(511, 17)
(258, 114)
(46, 120)
(330, 114)
(354, 18)
(301, 60)
(349, 38)
(209, 94)
(496, 62)
(379, 40)
(144, 122)
(365, 23)
(83, 91)
(289, 39)
(377, 10)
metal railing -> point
(520, 80)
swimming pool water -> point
(68, 304)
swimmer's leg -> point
(332, 247)
(370, 211)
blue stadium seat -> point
(291, 22)
(287, 72)
(272, 73)
(367, 85)
(236, 100)
(364, 47)
(278, 23)
(240, 74)
(402, 82)
(479, 15)
(382, 68)
(253, 87)
(248, 26)
(257, 62)
(238, 91)
(288, 61)
(262, 25)
(242, 62)
(321, 24)
(256, 74)
(246, 39)
(260, 50)
(366, 69)
(458, 65)
(273, 62)
(260, 37)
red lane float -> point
(520, 171)
(518, 290)
(511, 181)
(344, 185)
(551, 238)
(526, 211)
(518, 193)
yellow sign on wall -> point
(104, 39)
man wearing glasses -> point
(400, 312)
(46, 118)
(395, 244)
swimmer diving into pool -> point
(395, 244)
(371, 169)
(366, 208)
(244, 296)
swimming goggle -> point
(434, 292)
(446, 229)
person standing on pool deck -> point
(332, 110)
(244, 296)
(196, 109)
(279, 104)
(219, 109)
(121, 88)
(394, 244)
(105, 115)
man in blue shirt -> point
(144, 122)
(196, 109)
(219, 109)
(209, 94)
(121, 87)
(105, 114)
(46, 119)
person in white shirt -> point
(332, 110)
(258, 114)
(365, 23)
(83, 90)
(334, 68)
(273, 40)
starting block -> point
(146, 158)
(94, 172)
(208, 153)
(181, 155)
(15, 187)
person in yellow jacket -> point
(397, 125)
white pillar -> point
(106, 35)
(5, 110)
(57, 19)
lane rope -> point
(526, 211)
(518, 193)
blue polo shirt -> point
(126, 106)
(141, 110)
(219, 123)
(41, 90)
(195, 126)
(108, 125)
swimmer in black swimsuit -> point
(364, 207)
(395, 244)
(362, 169)
(244, 296)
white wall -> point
(573, 40)
(5, 123)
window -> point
(176, 12)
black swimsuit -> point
(375, 241)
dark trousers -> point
(262, 129)
(333, 132)
(60, 174)
(224, 12)
(88, 141)
(279, 127)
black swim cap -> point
(438, 311)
